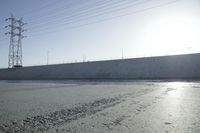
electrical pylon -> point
(15, 47)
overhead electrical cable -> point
(106, 19)
(93, 11)
(70, 21)
(72, 10)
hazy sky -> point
(99, 29)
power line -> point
(61, 24)
(89, 17)
(83, 7)
(42, 7)
(56, 11)
(90, 11)
(106, 19)
(64, 24)
(60, 27)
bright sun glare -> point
(174, 34)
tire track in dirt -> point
(109, 125)
(42, 123)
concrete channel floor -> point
(100, 106)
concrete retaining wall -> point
(178, 66)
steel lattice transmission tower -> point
(15, 48)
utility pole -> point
(15, 47)
(47, 57)
(84, 58)
(122, 53)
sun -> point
(174, 34)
